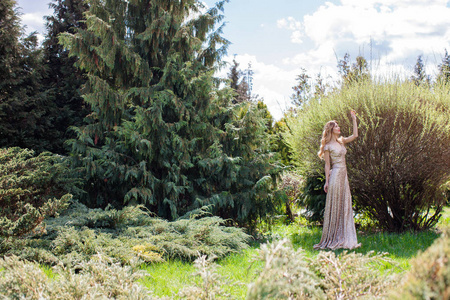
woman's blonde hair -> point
(326, 137)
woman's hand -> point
(325, 188)
(353, 114)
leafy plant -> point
(401, 159)
(313, 198)
(285, 275)
(290, 186)
(353, 275)
(95, 279)
(31, 188)
(429, 277)
(127, 236)
(211, 286)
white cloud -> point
(293, 25)
(394, 32)
(269, 82)
(35, 21)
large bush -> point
(31, 188)
(401, 159)
(429, 277)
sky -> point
(279, 38)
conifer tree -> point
(22, 99)
(63, 80)
(160, 132)
(420, 77)
(444, 69)
(358, 72)
(302, 91)
(238, 83)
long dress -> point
(338, 226)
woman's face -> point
(336, 129)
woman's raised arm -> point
(355, 129)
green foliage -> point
(160, 132)
(127, 236)
(286, 275)
(357, 72)
(352, 275)
(313, 198)
(22, 98)
(96, 279)
(401, 158)
(212, 283)
(290, 274)
(290, 187)
(239, 86)
(278, 143)
(444, 70)
(420, 77)
(62, 81)
(31, 188)
(429, 277)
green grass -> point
(168, 278)
(239, 269)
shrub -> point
(313, 198)
(401, 159)
(429, 277)
(31, 188)
(127, 236)
(289, 274)
(96, 279)
(290, 186)
(285, 275)
(211, 286)
(352, 275)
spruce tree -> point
(160, 132)
(444, 69)
(238, 83)
(420, 77)
(22, 98)
(63, 80)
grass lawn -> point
(168, 278)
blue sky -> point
(279, 37)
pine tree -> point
(238, 83)
(22, 98)
(160, 132)
(444, 69)
(420, 77)
(358, 72)
(302, 90)
(63, 80)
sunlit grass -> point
(239, 269)
(169, 278)
(48, 271)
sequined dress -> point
(338, 226)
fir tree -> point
(359, 70)
(63, 80)
(238, 83)
(302, 91)
(420, 77)
(444, 69)
(160, 133)
(22, 98)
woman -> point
(338, 226)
